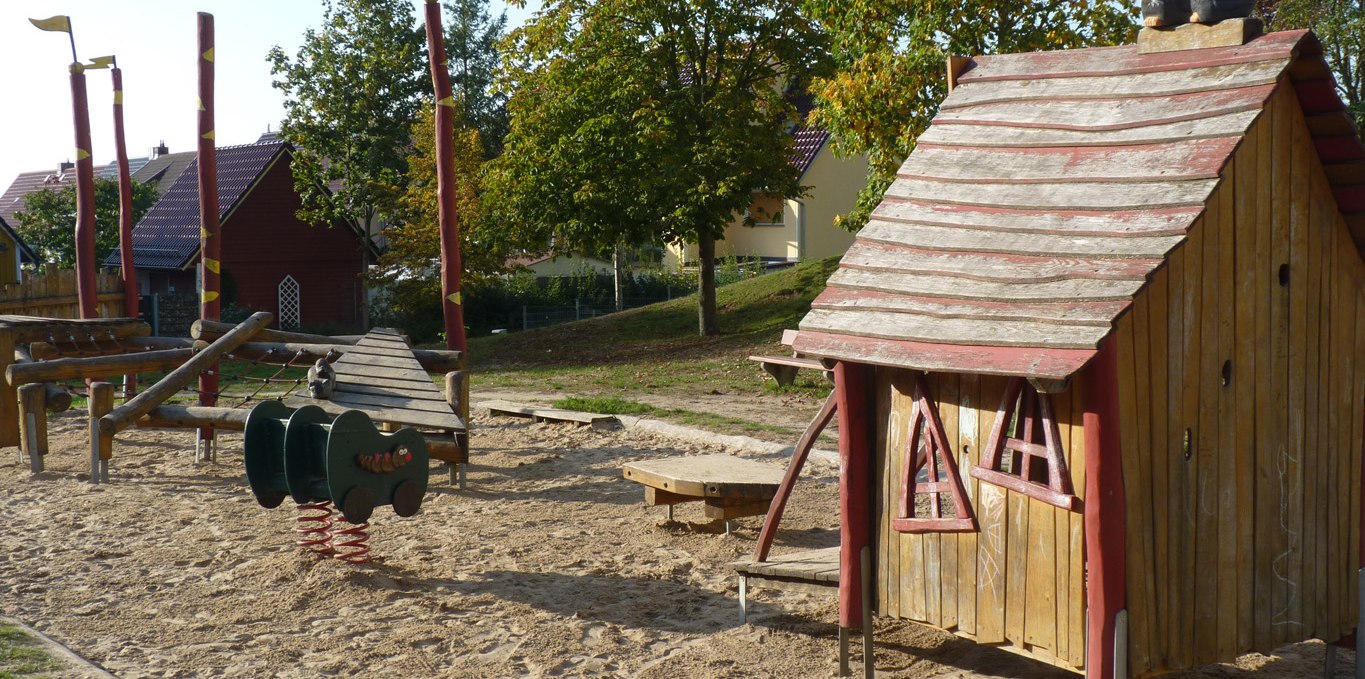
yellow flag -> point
(101, 62)
(60, 23)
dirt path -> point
(547, 566)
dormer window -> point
(1025, 453)
(928, 451)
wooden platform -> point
(380, 377)
(809, 570)
(595, 420)
(727, 486)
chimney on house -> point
(63, 166)
(158, 150)
(1174, 25)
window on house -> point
(767, 211)
(930, 474)
(290, 315)
(1024, 453)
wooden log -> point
(446, 449)
(457, 394)
(212, 330)
(57, 399)
(33, 423)
(433, 361)
(45, 351)
(101, 442)
(29, 329)
(194, 417)
(147, 401)
(95, 366)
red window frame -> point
(926, 442)
(1030, 439)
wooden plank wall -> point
(1019, 582)
(52, 294)
(1248, 346)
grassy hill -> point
(656, 349)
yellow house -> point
(13, 254)
(799, 228)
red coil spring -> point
(315, 527)
(352, 543)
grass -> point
(708, 421)
(656, 349)
(22, 656)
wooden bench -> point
(728, 487)
(784, 368)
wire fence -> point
(542, 316)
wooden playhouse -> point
(1116, 297)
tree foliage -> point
(351, 95)
(891, 60)
(48, 220)
(472, 36)
(649, 121)
(1340, 24)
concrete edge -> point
(78, 662)
(744, 443)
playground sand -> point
(548, 565)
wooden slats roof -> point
(1046, 192)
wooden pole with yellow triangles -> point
(85, 173)
(210, 230)
(128, 272)
(451, 303)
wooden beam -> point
(194, 417)
(853, 385)
(45, 351)
(1104, 513)
(1193, 36)
(212, 330)
(33, 329)
(33, 423)
(61, 369)
(156, 394)
(784, 491)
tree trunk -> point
(706, 285)
(618, 265)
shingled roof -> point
(168, 235)
(1048, 189)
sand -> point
(547, 566)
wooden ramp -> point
(380, 377)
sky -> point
(155, 42)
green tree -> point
(409, 267)
(48, 220)
(351, 95)
(649, 121)
(472, 36)
(891, 58)
(1340, 24)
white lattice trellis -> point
(290, 316)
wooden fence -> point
(52, 294)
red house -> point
(272, 261)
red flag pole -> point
(451, 302)
(125, 219)
(85, 197)
(209, 228)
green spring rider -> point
(312, 457)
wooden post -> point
(101, 442)
(127, 270)
(33, 423)
(1104, 511)
(451, 302)
(955, 68)
(142, 404)
(9, 396)
(853, 384)
(457, 395)
(210, 240)
(86, 292)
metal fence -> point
(542, 316)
